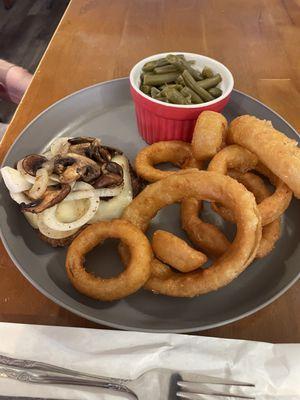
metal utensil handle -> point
(23, 375)
(41, 366)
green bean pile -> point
(173, 79)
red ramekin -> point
(159, 121)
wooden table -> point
(98, 40)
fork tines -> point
(206, 390)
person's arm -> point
(14, 81)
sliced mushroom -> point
(106, 181)
(112, 175)
(52, 196)
(32, 163)
(114, 207)
(113, 152)
(98, 152)
(81, 140)
(81, 148)
(61, 163)
(78, 167)
(112, 168)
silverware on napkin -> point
(158, 383)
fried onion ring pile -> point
(169, 265)
(200, 185)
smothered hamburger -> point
(77, 181)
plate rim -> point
(99, 321)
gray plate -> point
(106, 111)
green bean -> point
(172, 79)
(194, 96)
(161, 62)
(215, 91)
(182, 64)
(149, 66)
(174, 96)
(192, 84)
(165, 69)
(145, 89)
(210, 82)
(158, 80)
(188, 96)
(180, 80)
(154, 92)
(164, 99)
(172, 85)
(207, 72)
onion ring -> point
(49, 215)
(14, 180)
(274, 149)
(133, 278)
(174, 151)
(203, 235)
(60, 146)
(200, 185)
(209, 238)
(270, 235)
(279, 200)
(39, 187)
(176, 252)
(29, 178)
(271, 231)
(236, 157)
(52, 233)
(213, 241)
(209, 135)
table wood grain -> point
(98, 40)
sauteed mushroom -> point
(61, 163)
(101, 154)
(52, 196)
(112, 175)
(98, 152)
(75, 166)
(81, 139)
(32, 163)
(81, 148)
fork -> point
(158, 383)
